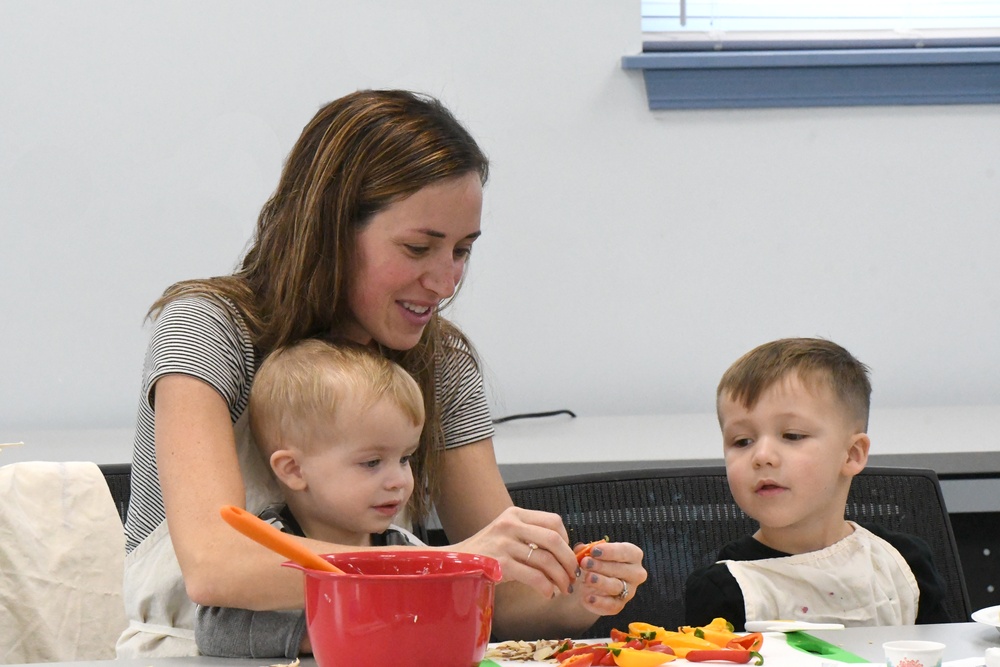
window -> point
(689, 16)
(741, 53)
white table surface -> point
(962, 640)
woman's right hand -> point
(532, 548)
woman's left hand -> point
(609, 576)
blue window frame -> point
(944, 52)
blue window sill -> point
(817, 78)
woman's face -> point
(409, 258)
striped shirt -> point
(199, 337)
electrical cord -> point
(533, 415)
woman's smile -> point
(418, 314)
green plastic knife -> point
(805, 642)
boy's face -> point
(355, 477)
(790, 460)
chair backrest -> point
(681, 517)
(909, 500)
(119, 479)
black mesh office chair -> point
(681, 517)
(909, 500)
(119, 479)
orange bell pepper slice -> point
(585, 551)
(748, 642)
(683, 643)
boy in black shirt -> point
(794, 415)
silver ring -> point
(531, 549)
(624, 594)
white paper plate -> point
(789, 626)
(988, 616)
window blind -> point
(701, 54)
(821, 23)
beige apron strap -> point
(161, 616)
(261, 487)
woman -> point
(366, 237)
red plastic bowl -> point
(401, 607)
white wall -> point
(628, 256)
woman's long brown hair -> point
(358, 155)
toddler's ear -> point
(285, 465)
(857, 454)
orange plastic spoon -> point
(264, 533)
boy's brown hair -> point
(301, 388)
(815, 360)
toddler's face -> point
(359, 478)
(787, 459)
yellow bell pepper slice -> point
(720, 624)
(646, 631)
(719, 631)
(630, 657)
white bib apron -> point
(862, 580)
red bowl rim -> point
(491, 566)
